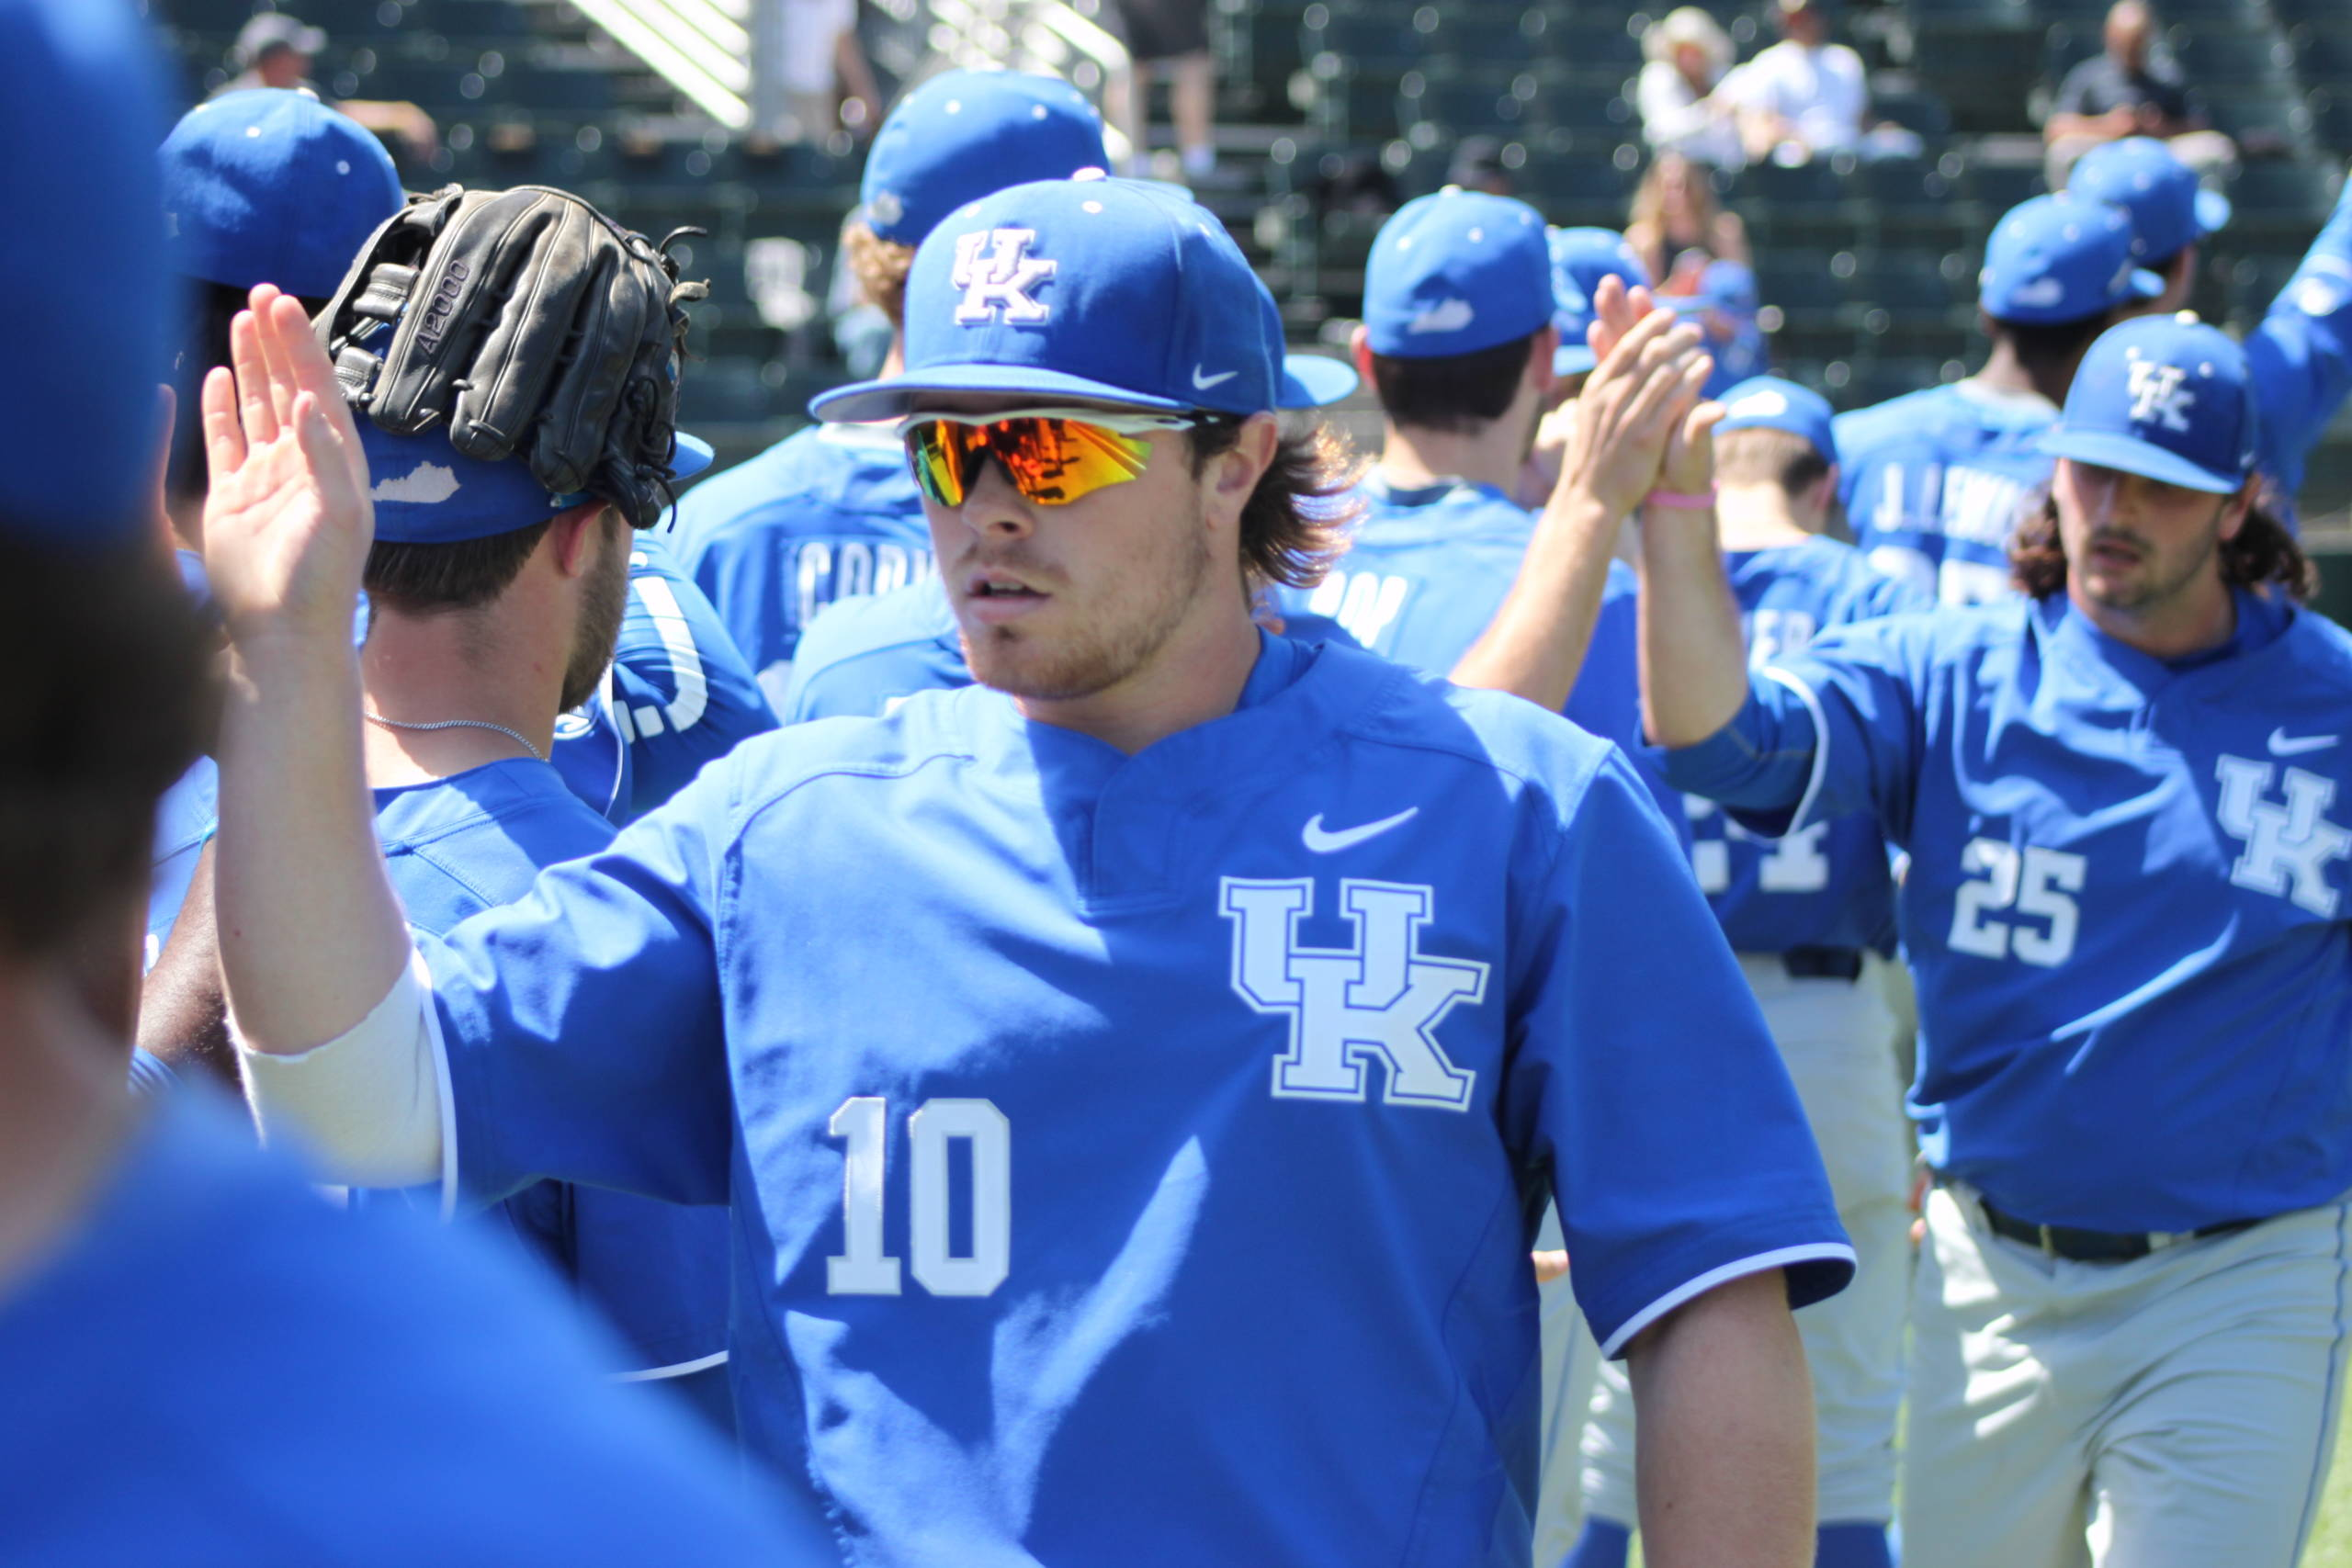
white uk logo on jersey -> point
(2156, 394)
(2288, 847)
(996, 272)
(1382, 998)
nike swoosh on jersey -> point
(2281, 746)
(1324, 843)
(1203, 383)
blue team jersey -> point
(828, 513)
(1055, 1087)
(1934, 483)
(678, 694)
(1423, 576)
(463, 844)
(214, 1368)
(1826, 883)
(2125, 906)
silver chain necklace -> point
(459, 724)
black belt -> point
(1823, 963)
(2098, 1246)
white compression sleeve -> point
(369, 1104)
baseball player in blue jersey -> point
(678, 693)
(1198, 982)
(864, 656)
(483, 632)
(2300, 352)
(2125, 911)
(184, 1326)
(1461, 340)
(1805, 914)
(831, 513)
(1935, 480)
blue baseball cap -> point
(1581, 258)
(1768, 403)
(1454, 273)
(2170, 210)
(1302, 381)
(83, 113)
(2166, 397)
(428, 493)
(2062, 258)
(962, 135)
(270, 186)
(1088, 287)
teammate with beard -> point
(1007, 1023)
(481, 633)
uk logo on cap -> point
(996, 272)
(2166, 397)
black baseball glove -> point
(535, 325)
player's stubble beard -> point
(604, 600)
(1112, 630)
(2162, 577)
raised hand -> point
(1638, 401)
(287, 518)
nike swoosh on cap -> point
(1321, 842)
(2282, 746)
(1203, 383)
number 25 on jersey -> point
(2019, 902)
(864, 1267)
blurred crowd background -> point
(1818, 176)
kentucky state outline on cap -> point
(1455, 272)
(1122, 291)
(962, 135)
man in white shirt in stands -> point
(1805, 95)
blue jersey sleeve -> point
(681, 695)
(582, 1025)
(2302, 352)
(1677, 1150)
(1833, 731)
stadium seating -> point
(1867, 267)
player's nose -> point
(993, 508)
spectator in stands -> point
(273, 50)
(2131, 89)
(828, 84)
(1678, 226)
(2170, 214)
(1167, 38)
(1803, 96)
(1681, 110)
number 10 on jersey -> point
(864, 1268)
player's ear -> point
(1539, 360)
(2236, 510)
(574, 536)
(1232, 476)
(1360, 351)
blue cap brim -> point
(2128, 453)
(865, 401)
(693, 457)
(2212, 211)
(1314, 381)
(2145, 285)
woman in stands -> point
(1678, 226)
